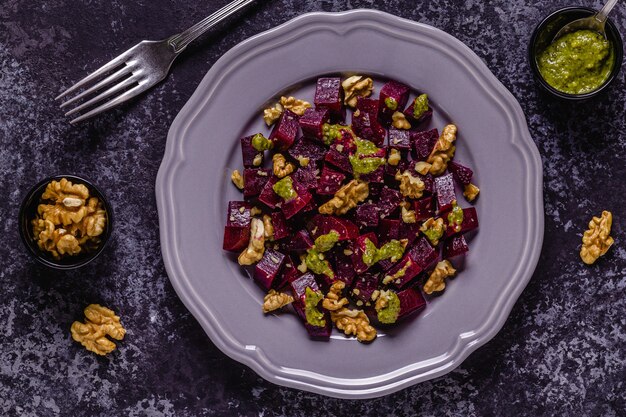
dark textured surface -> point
(561, 352)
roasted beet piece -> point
(409, 231)
(455, 246)
(344, 270)
(376, 176)
(292, 207)
(424, 254)
(285, 131)
(308, 149)
(393, 97)
(321, 225)
(281, 227)
(367, 215)
(329, 94)
(248, 152)
(388, 229)
(423, 143)
(338, 160)
(364, 286)
(312, 121)
(268, 268)
(298, 287)
(268, 196)
(388, 201)
(329, 182)
(470, 222)
(411, 117)
(236, 238)
(288, 274)
(315, 332)
(411, 301)
(358, 248)
(399, 139)
(307, 176)
(462, 174)
(403, 272)
(367, 105)
(254, 181)
(366, 126)
(424, 208)
(238, 213)
(299, 242)
(444, 187)
(429, 183)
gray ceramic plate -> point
(193, 189)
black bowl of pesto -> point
(579, 65)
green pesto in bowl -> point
(578, 62)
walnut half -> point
(99, 323)
(354, 322)
(436, 280)
(256, 246)
(443, 151)
(355, 87)
(597, 240)
(333, 300)
(346, 198)
(274, 300)
(410, 186)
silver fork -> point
(138, 69)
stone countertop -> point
(561, 352)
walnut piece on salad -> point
(256, 246)
(443, 151)
(274, 300)
(281, 167)
(436, 281)
(355, 87)
(346, 198)
(354, 322)
(597, 240)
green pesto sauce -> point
(577, 63)
(317, 265)
(420, 105)
(393, 250)
(455, 217)
(361, 164)
(261, 143)
(390, 313)
(391, 103)
(313, 316)
(284, 188)
(433, 234)
(324, 243)
(331, 133)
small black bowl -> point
(548, 28)
(28, 212)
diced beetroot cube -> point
(424, 208)
(281, 227)
(403, 272)
(299, 286)
(462, 174)
(367, 215)
(315, 332)
(392, 170)
(329, 182)
(389, 201)
(424, 254)
(254, 181)
(238, 213)
(388, 229)
(429, 183)
(346, 143)
(411, 117)
(444, 187)
(268, 196)
(312, 121)
(423, 143)
(338, 160)
(375, 189)
(409, 231)
(393, 97)
(366, 126)
(288, 274)
(298, 243)
(470, 222)
(292, 207)
(344, 270)
(411, 301)
(248, 152)
(455, 246)
(367, 105)
(328, 94)
(358, 249)
(399, 139)
(285, 131)
(308, 149)
(310, 206)
(376, 176)
(268, 268)
(307, 176)
(322, 225)
(364, 286)
(236, 238)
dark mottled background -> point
(561, 352)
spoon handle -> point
(603, 14)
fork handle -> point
(180, 41)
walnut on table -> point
(99, 323)
(597, 240)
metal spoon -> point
(595, 22)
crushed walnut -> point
(410, 186)
(99, 323)
(422, 167)
(281, 167)
(597, 240)
(408, 216)
(237, 179)
(68, 221)
(295, 105)
(333, 300)
(443, 151)
(303, 160)
(394, 157)
(355, 87)
(436, 280)
(399, 121)
(471, 192)
(256, 246)
(346, 198)
(272, 114)
(268, 227)
(354, 322)
(433, 229)
(274, 300)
